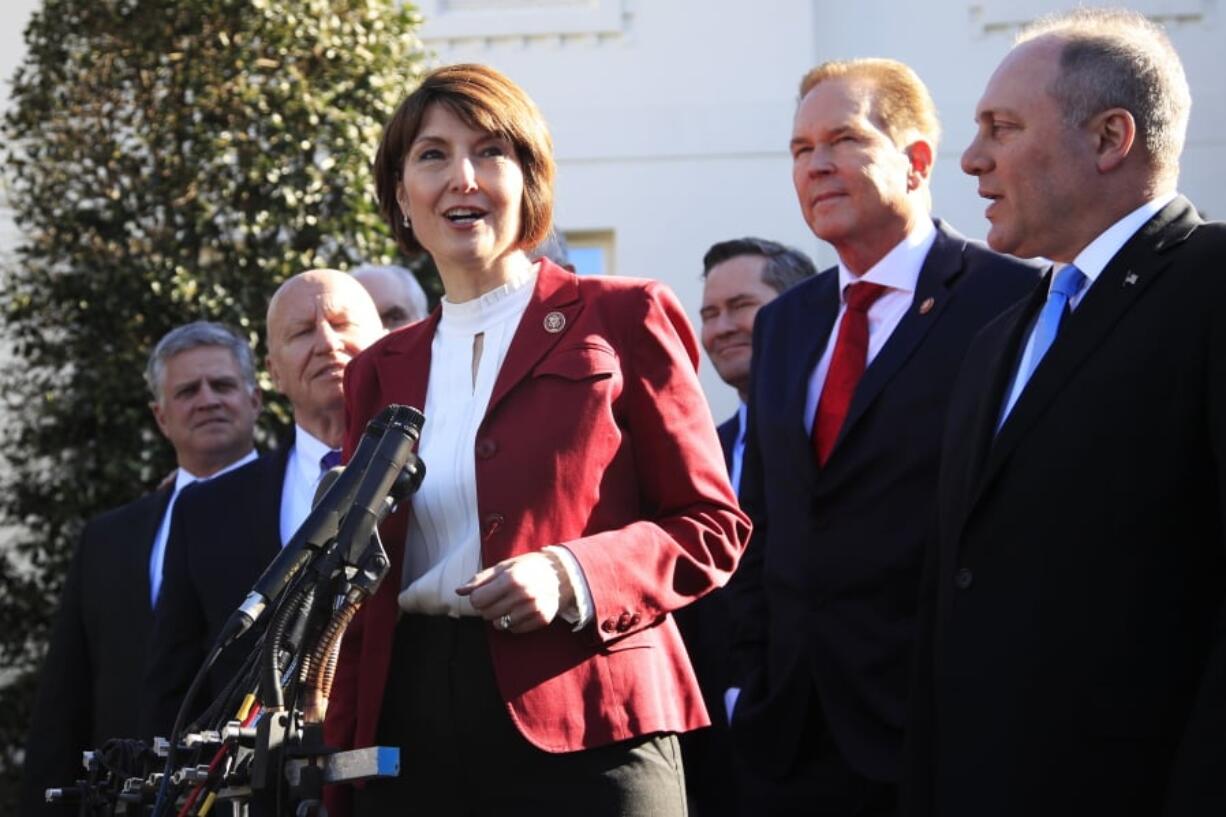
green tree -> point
(165, 162)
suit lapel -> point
(552, 311)
(269, 486)
(141, 548)
(1124, 280)
(403, 371)
(729, 431)
(1001, 366)
(932, 293)
(403, 364)
(822, 308)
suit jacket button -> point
(634, 620)
(486, 448)
(623, 621)
(608, 625)
(964, 578)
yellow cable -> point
(248, 702)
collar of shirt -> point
(899, 268)
(478, 314)
(157, 554)
(183, 477)
(1098, 253)
(308, 451)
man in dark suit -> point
(228, 530)
(1078, 660)
(849, 384)
(205, 402)
(740, 276)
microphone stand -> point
(270, 756)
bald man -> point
(398, 297)
(227, 530)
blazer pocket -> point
(637, 640)
(583, 362)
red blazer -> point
(597, 438)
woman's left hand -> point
(524, 593)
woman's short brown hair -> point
(485, 100)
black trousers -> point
(460, 753)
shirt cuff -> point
(583, 610)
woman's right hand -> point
(529, 589)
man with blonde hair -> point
(851, 371)
(1077, 659)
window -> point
(591, 251)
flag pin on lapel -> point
(1130, 279)
(927, 305)
(555, 322)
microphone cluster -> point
(382, 471)
(314, 587)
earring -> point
(404, 220)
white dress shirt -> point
(443, 543)
(157, 556)
(1091, 261)
(898, 270)
(302, 475)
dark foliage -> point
(166, 162)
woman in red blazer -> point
(521, 652)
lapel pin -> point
(927, 305)
(1130, 279)
(555, 322)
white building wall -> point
(12, 51)
(671, 117)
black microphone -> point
(313, 534)
(386, 464)
(325, 484)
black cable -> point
(159, 808)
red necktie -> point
(846, 367)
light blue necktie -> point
(1069, 281)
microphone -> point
(325, 484)
(313, 534)
(385, 470)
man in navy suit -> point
(849, 384)
(205, 402)
(1077, 660)
(226, 531)
(740, 276)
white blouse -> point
(443, 546)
